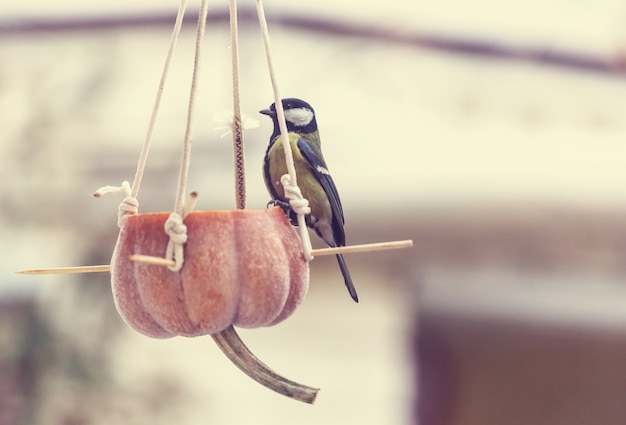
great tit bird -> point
(326, 217)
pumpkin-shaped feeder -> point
(242, 267)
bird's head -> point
(299, 115)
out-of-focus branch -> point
(615, 66)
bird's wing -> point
(318, 167)
(266, 173)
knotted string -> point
(177, 232)
(130, 205)
(174, 226)
(297, 203)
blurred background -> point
(491, 133)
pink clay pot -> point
(242, 267)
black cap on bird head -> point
(299, 115)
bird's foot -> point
(278, 203)
(289, 213)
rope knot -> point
(177, 232)
(299, 204)
(129, 206)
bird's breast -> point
(308, 183)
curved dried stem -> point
(231, 344)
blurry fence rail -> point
(614, 65)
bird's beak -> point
(268, 112)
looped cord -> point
(299, 204)
(282, 123)
(177, 231)
(174, 226)
(129, 206)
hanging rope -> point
(157, 102)
(237, 123)
(289, 181)
(174, 226)
(130, 205)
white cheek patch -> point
(300, 117)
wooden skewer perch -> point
(378, 246)
(68, 270)
(165, 262)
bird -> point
(316, 184)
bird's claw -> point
(278, 203)
(289, 213)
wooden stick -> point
(158, 261)
(379, 246)
(148, 259)
(67, 270)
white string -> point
(297, 202)
(177, 232)
(157, 102)
(174, 226)
(129, 205)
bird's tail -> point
(347, 278)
